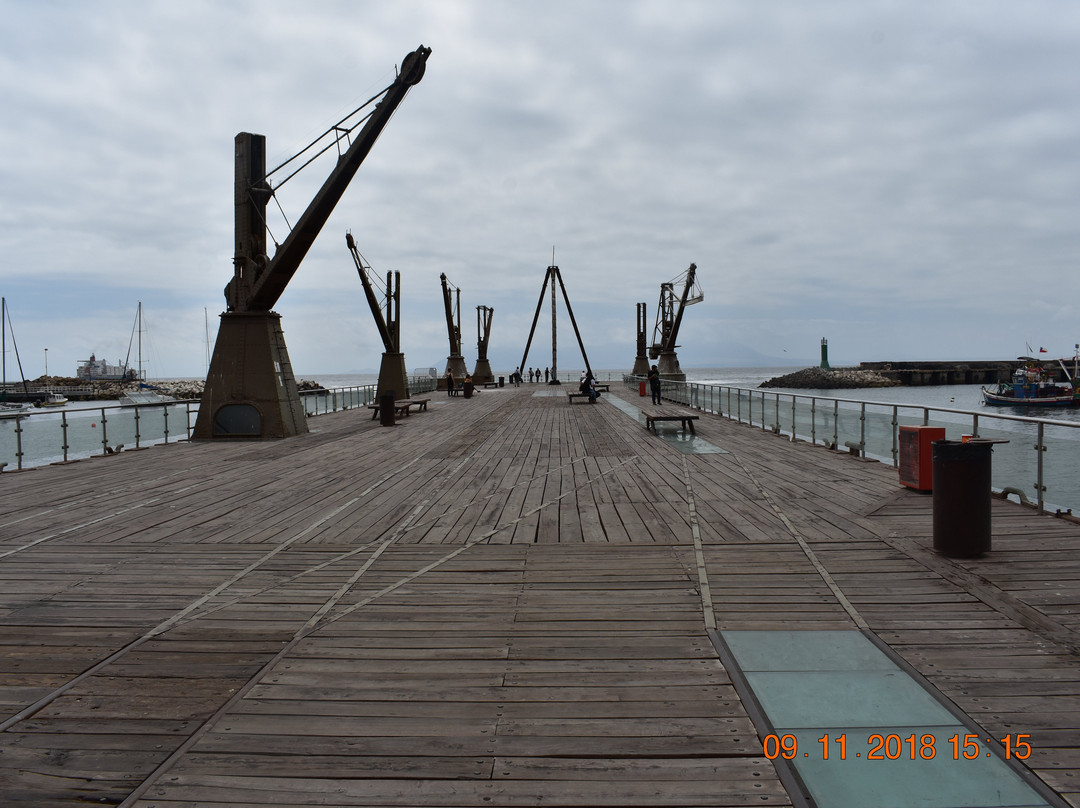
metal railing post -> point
(18, 442)
(63, 431)
(895, 437)
(1040, 448)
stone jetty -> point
(837, 379)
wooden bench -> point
(457, 391)
(571, 396)
(605, 387)
(489, 385)
(686, 420)
(400, 408)
(420, 404)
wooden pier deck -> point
(502, 601)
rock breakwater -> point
(838, 379)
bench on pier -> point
(571, 396)
(605, 387)
(662, 415)
(400, 407)
(489, 385)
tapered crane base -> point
(250, 389)
(392, 377)
(482, 374)
(455, 364)
(668, 365)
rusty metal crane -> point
(392, 376)
(668, 320)
(250, 388)
(482, 374)
(455, 362)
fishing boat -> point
(52, 400)
(1032, 385)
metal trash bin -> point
(467, 389)
(502, 381)
(386, 409)
(642, 386)
(962, 497)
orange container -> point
(917, 456)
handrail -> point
(816, 410)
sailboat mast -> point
(3, 343)
(138, 319)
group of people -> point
(450, 388)
(535, 374)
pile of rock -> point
(838, 379)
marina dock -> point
(511, 600)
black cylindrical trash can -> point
(502, 381)
(961, 497)
(467, 389)
(386, 408)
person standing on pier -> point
(449, 382)
(654, 384)
(517, 377)
(547, 373)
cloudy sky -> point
(902, 178)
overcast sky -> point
(902, 178)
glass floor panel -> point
(685, 442)
(862, 733)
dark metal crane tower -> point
(668, 320)
(250, 387)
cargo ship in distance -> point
(99, 370)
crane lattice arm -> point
(670, 311)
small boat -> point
(9, 409)
(52, 400)
(1032, 385)
(146, 394)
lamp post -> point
(46, 361)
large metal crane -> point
(455, 362)
(668, 320)
(392, 377)
(250, 387)
(482, 374)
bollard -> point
(962, 497)
(386, 408)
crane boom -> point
(453, 315)
(258, 283)
(386, 329)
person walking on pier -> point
(517, 377)
(654, 384)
